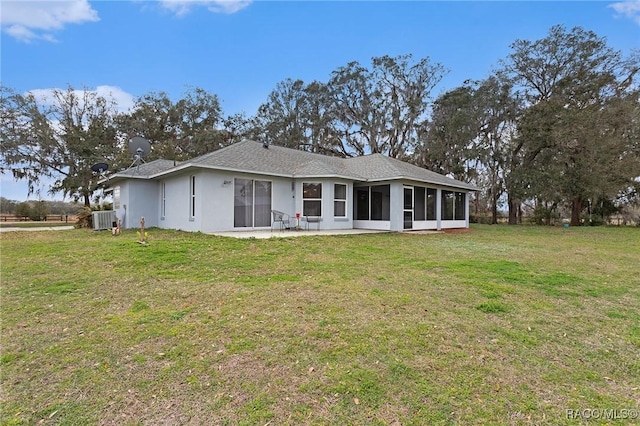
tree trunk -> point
(576, 209)
(513, 211)
(494, 208)
(87, 200)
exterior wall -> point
(214, 201)
(327, 220)
(421, 225)
(380, 225)
(448, 224)
(177, 214)
(396, 217)
(138, 198)
(218, 207)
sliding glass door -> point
(252, 203)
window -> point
(312, 199)
(361, 196)
(460, 205)
(340, 200)
(192, 195)
(447, 205)
(163, 199)
(419, 212)
(116, 197)
(380, 202)
(372, 202)
(431, 203)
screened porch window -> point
(380, 202)
(361, 196)
(372, 202)
(312, 199)
(419, 203)
(447, 205)
(431, 203)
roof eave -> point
(460, 185)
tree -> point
(497, 109)
(23, 209)
(379, 109)
(7, 206)
(577, 135)
(177, 130)
(470, 134)
(448, 142)
(57, 137)
(300, 116)
(283, 118)
(39, 210)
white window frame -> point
(116, 197)
(163, 199)
(305, 199)
(340, 200)
(192, 197)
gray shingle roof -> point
(377, 167)
(250, 156)
(148, 169)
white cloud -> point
(182, 7)
(124, 101)
(31, 20)
(628, 8)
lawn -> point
(498, 325)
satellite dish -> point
(100, 167)
(139, 146)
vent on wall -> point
(103, 219)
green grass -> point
(500, 325)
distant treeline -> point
(29, 208)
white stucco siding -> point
(138, 198)
(178, 199)
(448, 224)
(216, 206)
(380, 225)
(425, 224)
(218, 198)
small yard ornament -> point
(116, 229)
(142, 235)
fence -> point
(48, 218)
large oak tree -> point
(577, 133)
(57, 139)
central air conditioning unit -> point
(103, 220)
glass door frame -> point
(407, 211)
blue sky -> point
(240, 50)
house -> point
(237, 187)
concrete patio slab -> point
(290, 234)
